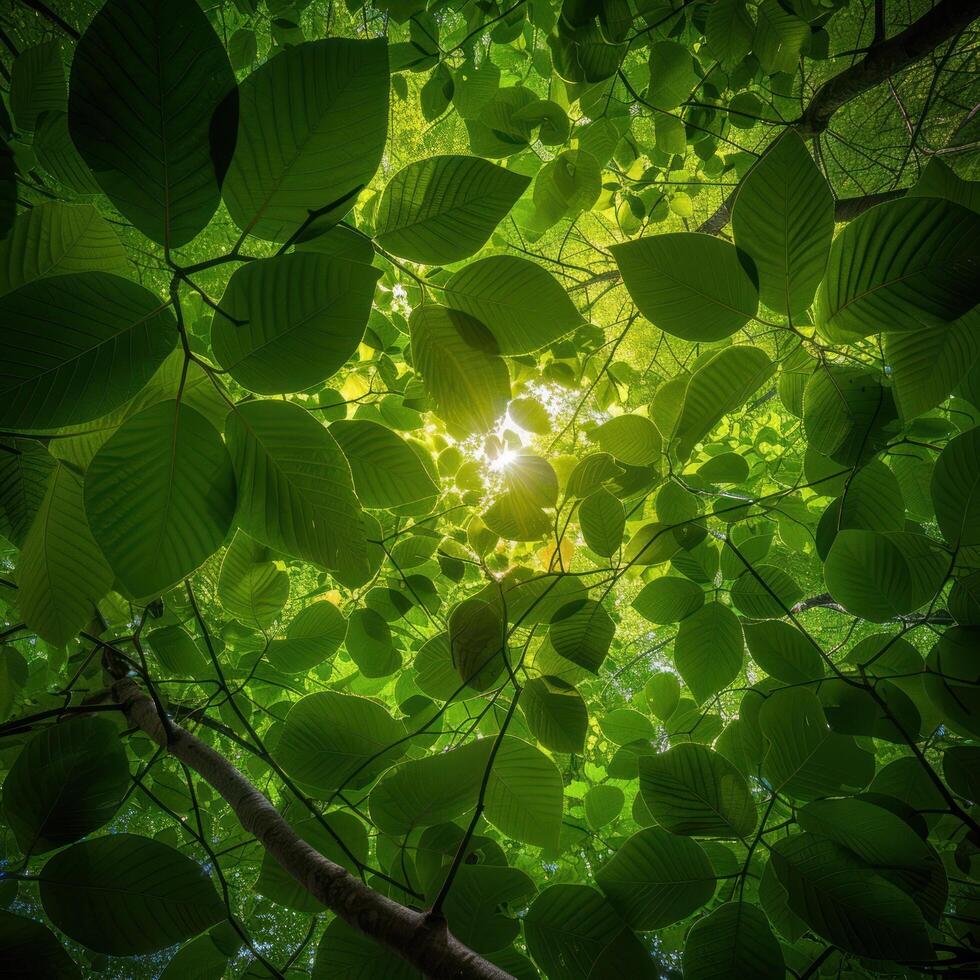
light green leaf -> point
(315, 634)
(61, 573)
(295, 491)
(631, 438)
(444, 208)
(708, 650)
(602, 519)
(669, 600)
(251, 587)
(521, 304)
(302, 316)
(783, 219)
(693, 286)
(160, 497)
(731, 942)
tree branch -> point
(885, 59)
(426, 944)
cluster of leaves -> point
(612, 589)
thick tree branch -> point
(423, 941)
(885, 59)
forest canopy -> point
(490, 489)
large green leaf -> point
(153, 109)
(160, 497)
(692, 790)
(656, 879)
(783, 219)
(315, 634)
(54, 239)
(329, 738)
(387, 471)
(61, 573)
(444, 209)
(692, 286)
(251, 587)
(555, 713)
(846, 903)
(521, 304)
(731, 942)
(295, 491)
(289, 322)
(708, 650)
(37, 84)
(66, 782)
(78, 346)
(573, 932)
(956, 490)
(582, 632)
(346, 954)
(24, 477)
(126, 895)
(900, 265)
(882, 575)
(32, 951)
(312, 128)
(722, 384)
(460, 366)
(804, 758)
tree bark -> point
(423, 941)
(884, 59)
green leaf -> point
(55, 239)
(251, 587)
(521, 304)
(928, 363)
(329, 738)
(78, 346)
(387, 471)
(625, 725)
(729, 31)
(783, 219)
(67, 781)
(949, 682)
(848, 904)
(898, 266)
(152, 110)
(312, 128)
(669, 600)
(287, 323)
(880, 576)
(581, 632)
(731, 942)
(722, 384)
(694, 791)
(178, 653)
(523, 793)
(602, 519)
(708, 650)
(938, 180)
(126, 895)
(771, 598)
(369, 644)
(61, 573)
(160, 497)
(631, 438)
(656, 879)
(24, 476)
(956, 490)
(37, 83)
(573, 932)
(804, 758)
(783, 652)
(444, 208)
(478, 643)
(31, 950)
(663, 693)
(556, 714)
(460, 367)
(603, 803)
(692, 286)
(346, 954)
(886, 843)
(295, 491)
(314, 635)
